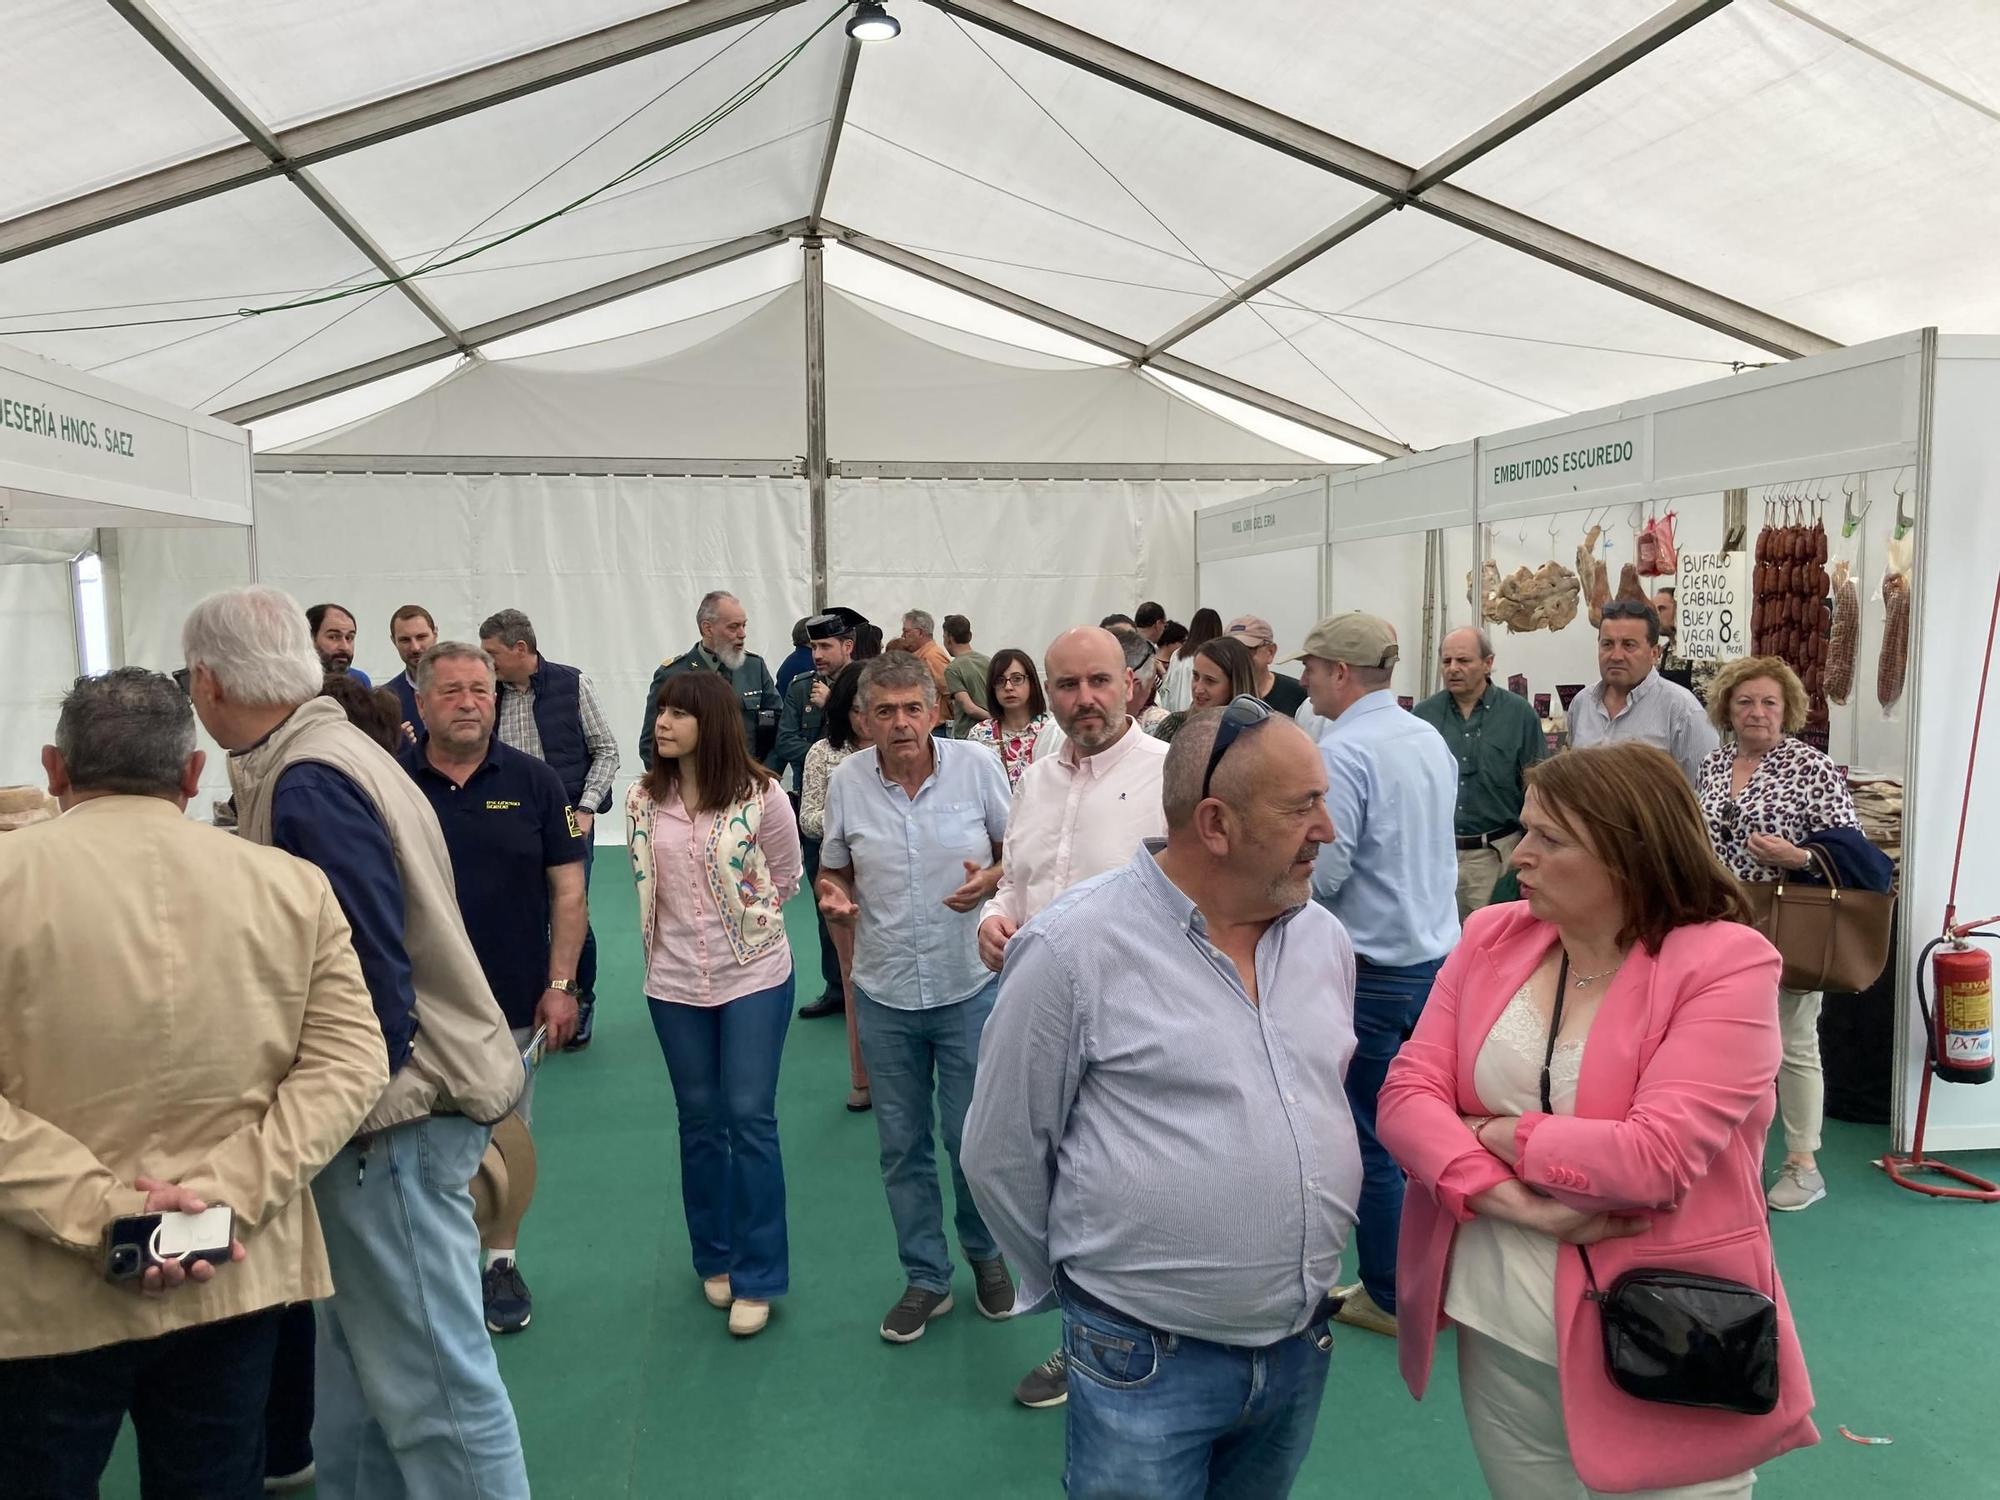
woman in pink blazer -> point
(1661, 1082)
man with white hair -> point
(1495, 736)
(724, 628)
(1159, 1136)
(1078, 813)
(410, 1399)
(919, 638)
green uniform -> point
(753, 684)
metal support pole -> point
(815, 279)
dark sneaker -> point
(508, 1304)
(1046, 1385)
(586, 1015)
(828, 1004)
(995, 1287)
(906, 1321)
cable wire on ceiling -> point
(694, 132)
(1224, 282)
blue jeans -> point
(910, 1052)
(196, 1397)
(1387, 1002)
(723, 1060)
(410, 1398)
(1159, 1416)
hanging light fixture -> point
(871, 23)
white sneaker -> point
(1797, 1187)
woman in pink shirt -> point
(1660, 1083)
(715, 850)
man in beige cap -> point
(1391, 876)
(1254, 634)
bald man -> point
(1159, 1135)
(1495, 736)
(1080, 812)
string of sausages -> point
(1792, 616)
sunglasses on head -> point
(1243, 713)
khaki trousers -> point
(1479, 870)
(1801, 1084)
(1514, 1415)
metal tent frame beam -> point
(1405, 186)
(850, 60)
(513, 323)
(1652, 33)
(1115, 343)
(164, 40)
(369, 124)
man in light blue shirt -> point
(911, 852)
(1391, 876)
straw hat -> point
(22, 805)
(504, 1185)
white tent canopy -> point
(1402, 224)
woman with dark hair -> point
(715, 849)
(1177, 692)
(1220, 670)
(867, 642)
(1587, 1094)
(1020, 730)
(376, 712)
(846, 732)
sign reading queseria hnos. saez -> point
(70, 441)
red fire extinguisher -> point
(1958, 1033)
(1961, 1027)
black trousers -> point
(196, 1399)
(288, 1413)
(829, 960)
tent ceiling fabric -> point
(729, 384)
(1821, 162)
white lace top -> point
(1502, 1280)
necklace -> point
(1584, 981)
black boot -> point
(586, 1013)
(828, 1004)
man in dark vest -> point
(831, 637)
(551, 712)
(724, 627)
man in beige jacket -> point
(409, 1399)
(182, 1023)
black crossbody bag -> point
(1676, 1336)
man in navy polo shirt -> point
(517, 860)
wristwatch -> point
(567, 986)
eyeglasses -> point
(1014, 679)
(1243, 713)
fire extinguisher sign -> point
(1968, 1029)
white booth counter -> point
(81, 459)
(1896, 436)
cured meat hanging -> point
(1791, 617)
(1845, 642)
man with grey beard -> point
(1170, 1041)
(724, 628)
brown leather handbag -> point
(1831, 937)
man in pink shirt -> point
(1077, 814)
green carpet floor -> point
(628, 1385)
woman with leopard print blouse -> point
(1764, 793)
